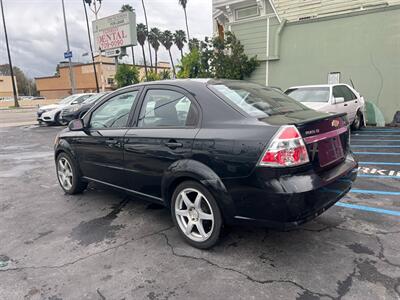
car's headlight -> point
(75, 108)
(46, 110)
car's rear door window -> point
(337, 92)
(114, 113)
(309, 94)
(348, 94)
(166, 108)
(256, 100)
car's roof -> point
(185, 83)
(316, 85)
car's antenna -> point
(352, 84)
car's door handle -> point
(172, 144)
(345, 104)
(111, 142)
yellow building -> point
(6, 89)
(59, 86)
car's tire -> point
(198, 222)
(68, 174)
(357, 123)
(58, 121)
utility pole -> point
(91, 48)
(71, 73)
(16, 104)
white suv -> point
(335, 98)
(50, 114)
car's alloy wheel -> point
(58, 120)
(68, 174)
(196, 214)
(65, 173)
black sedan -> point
(77, 111)
(213, 151)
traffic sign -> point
(115, 52)
(112, 52)
(68, 54)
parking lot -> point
(107, 245)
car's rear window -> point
(309, 94)
(256, 100)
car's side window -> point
(337, 92)
(114, 113)
(349, 95)
(167, 108)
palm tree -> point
(154, 40)
(194, 43)
(167, 39)
(180, 40)
(141, 37)
(183, 3)
(147, 31)
(124, 8)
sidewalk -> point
(17, 117)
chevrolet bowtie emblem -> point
(335, 123)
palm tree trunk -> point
(147, 31)
(144, 60)
(187, 27)
(172, 62)
(133, 56)
(155, 54)
(181, 53)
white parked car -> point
(332, 98)
(50, 114)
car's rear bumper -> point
(290, 200)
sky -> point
(36, 29)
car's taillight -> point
(287, 149)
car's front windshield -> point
(256, 100)
(93, 98)
(309, 94)
(68, 99)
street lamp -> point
(95, 9)
(16, 104)
(90, 42)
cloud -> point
(37, 38)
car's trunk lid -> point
(325, 135)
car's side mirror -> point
(338, 100)
(74, 102)
(76, 125)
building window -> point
(110, 81)
(247, 12)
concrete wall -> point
(6, 88)
(363, 47)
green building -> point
(301, 42)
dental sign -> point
(115, 31)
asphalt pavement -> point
(104, 244)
